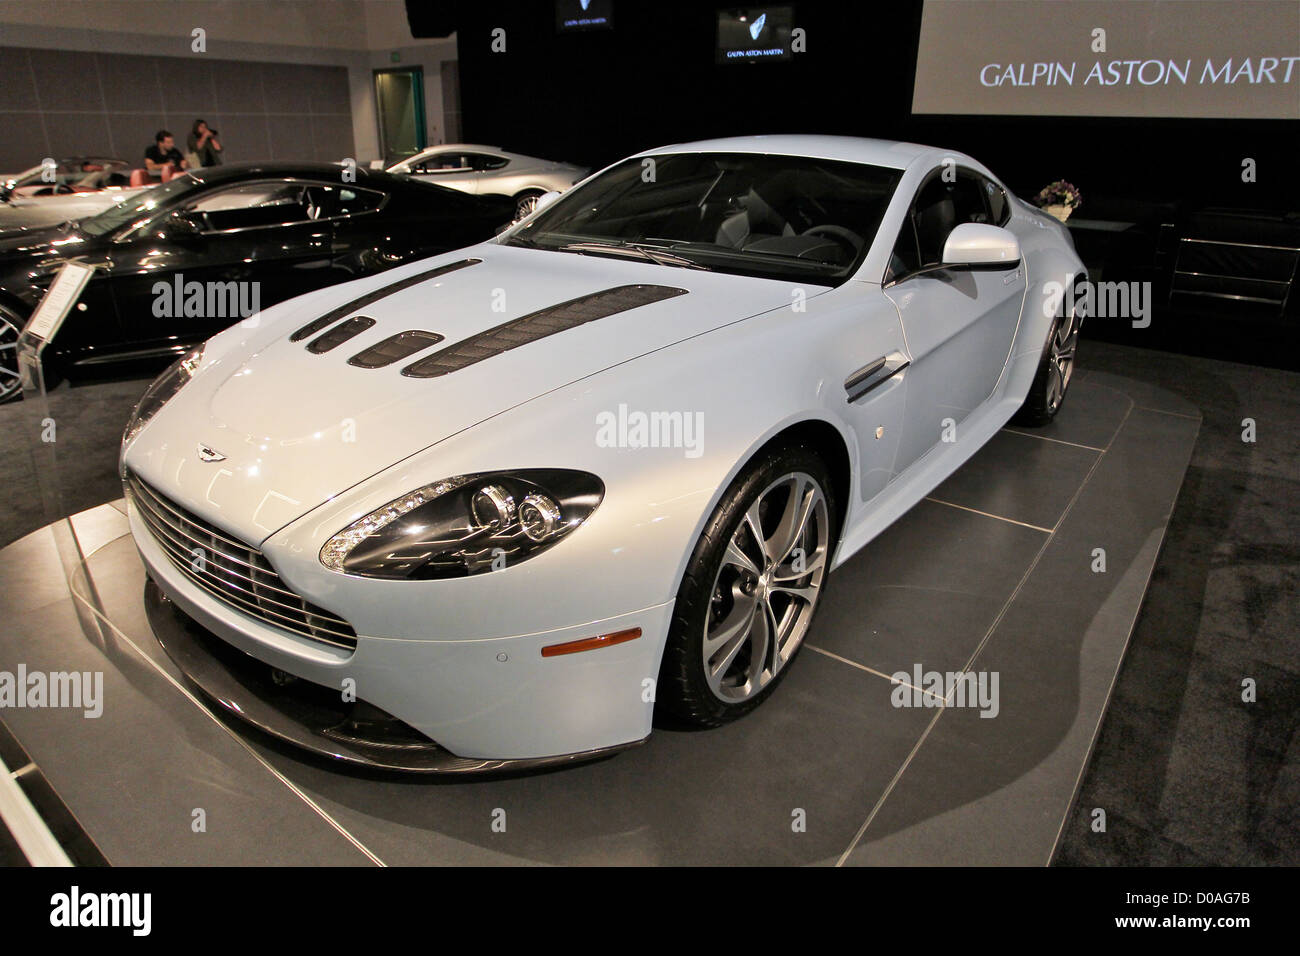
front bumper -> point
(485, 704)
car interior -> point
(278, 203)
(820, 212)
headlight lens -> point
(160, 393)
(466, 525)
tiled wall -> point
(61, 103)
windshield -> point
(140, 205)
(780, 217)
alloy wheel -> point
(1065, 340)
(525, 206)
(10, 380)
(766, 588)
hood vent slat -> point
(340, 334)
(361, 302)
(394, 349)
(538, 325)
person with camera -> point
(203, 144)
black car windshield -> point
(778, 217)
(141, 205)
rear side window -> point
(996, 197)
(483, 161)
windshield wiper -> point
(651, 253)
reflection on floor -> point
(992, 574)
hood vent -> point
(361, 302)
(538, 325)
(340, 334)
(394, 349)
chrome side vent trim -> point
(538, 325)
(340, 334)
(361, 302)
(395, 348)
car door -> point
(867, 362)
(226, 253)
(368, 234)
(959, 323)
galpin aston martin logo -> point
(208, 453)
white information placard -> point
(59, 299)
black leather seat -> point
(933, 224)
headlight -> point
(160, 392)
(466, 525)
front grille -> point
(232, 571)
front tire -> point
(11, 326)
(751, 589)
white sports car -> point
(487, 170)
(495, 508)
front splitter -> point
(314, 718)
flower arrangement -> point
(1059, 198)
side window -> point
(941, 207)
(335, 202)
(996, 197)
(251, 205)
(483, 161)
(906, 257)
(443, 163)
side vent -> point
(394, 349)
(361, 302)
(538, 325)
(340, 334)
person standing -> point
(203, 143)
(163, 159)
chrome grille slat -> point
(180, 556)
(234, 572)
(155, 499)
(206, 543)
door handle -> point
(874, 374)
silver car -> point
(489, 170)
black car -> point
(250, 235)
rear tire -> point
(751, 589)
(1055, 370)
(525, 203)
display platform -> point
(993, 573)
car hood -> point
(297, 428)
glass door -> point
(399, 99)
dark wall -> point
(653, 80)
(61, 103)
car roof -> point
(467, 146)
(889, 153)
(215, 175)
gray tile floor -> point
(994, 574)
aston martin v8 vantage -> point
(498, 507)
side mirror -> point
(974, 245)
(545, 199)
(181, 226)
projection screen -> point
(1220, 59)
